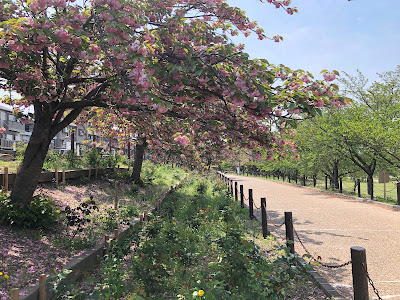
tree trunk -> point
(138, 162)
(32, 164)
(335, 174)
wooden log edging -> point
(46, 177)
(89, 257)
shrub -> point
(92, 157)
(41, 212)
(53, 159)
(73, 160)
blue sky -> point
(328, 34)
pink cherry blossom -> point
(329, 76)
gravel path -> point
(329, 225)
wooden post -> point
(289, 231)
(14, 294)
(359, 270)
(5, 179)
(359, 187)
(116, 234)
(236, 191)
(326, 182)
(18, 170)
(340, 185)
(106, 243)
(145, 215)
(241, 196)
(231, 185)
(116, 200)
(73, 141)
(398, 193)
(264, 224)
(90, 172)
(96, 172)
(251, 214)
(42, 287)
(63, 176)
(56, 176)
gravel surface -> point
(329, 225)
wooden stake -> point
(359, 270)
(241, 196)
(56, 176)
(251, 214)
(42, 287)
(116, 234)
(289, 231)
(264, 217)
(106, 243)
(145, 215)
(14, 294)
(6, 179)
(116, 200)
(63, 176)
(236, 191)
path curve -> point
(330, 224)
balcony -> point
(14, 126)
(6, 144)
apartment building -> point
(79, 136)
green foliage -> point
(52, 160)
(92, 157)
(41, 212)
(21, 147)
(196, 248)
(201, 186)
(110, 161)
(109, 220)
(73, 160)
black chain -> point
(256, 205)
(278, 226)
(372, 284)
(317, 260)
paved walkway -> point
(329, 225)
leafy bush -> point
(78, 217)
(41, 212)
(20, 153)
(92, 157)
(73, 160)
(110, 161)
(52, 160)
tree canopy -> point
(166, 69)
